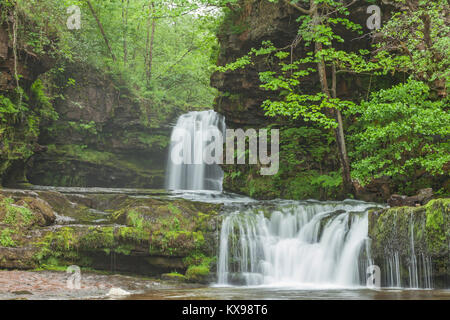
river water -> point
(267, 293)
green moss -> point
(438, 225)
(15, 215)
(131, 234)
(391, 229)
(153, 141)
(5, 238)
(173, 208)
(97, 237)
(61, 243)
(51, 265)
(198, 266)
(174, 276)
(197, 273)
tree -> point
(416, 40)
(401, 133)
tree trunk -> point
(339, 131)
(150, 42)
(100, 26)
(125, 30)
(340, 140)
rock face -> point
(18, 135)
(423, 197)
(411, 235)
(240, 95)
(102, 133)
(105, 136)
(249, 24)
(149, 235)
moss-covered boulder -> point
(422, 231)
(147, 234)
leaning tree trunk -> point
(102, 30)
(150, 42)
(339, 131)
(125, 30)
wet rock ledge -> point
(405, 238)
(152, 235)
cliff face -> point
(105, 136)
(245, 27)
(29, 65)
(250, 23)
(18, 111)
(96, 132)
(309, 167)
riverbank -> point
(146, 232)
(50, 285)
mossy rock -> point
(173, 276)
(424, 229)
(146, 235)
(25, 213)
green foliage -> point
(84, 126)
(181, 51)
(437, 224)
(285, 77)
(7, 107)
(20, 120)
(5, 238)
(331, 180)
(415, 41)
(401, 132)
(198, 266)
(45, 106)
(306, 155)
(14, 215)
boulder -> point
(422, 198)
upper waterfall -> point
(195, 175)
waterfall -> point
(393, 271)
(413, 276)
(308, 244)
(190, 137)
(417, 267)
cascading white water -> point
(393, 271)
(412, 270)
(195, 174)
(413, 276)
(307, 244)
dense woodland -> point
(336, 141)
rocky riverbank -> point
(148, 234)
(39, 285)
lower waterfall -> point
(307, 244)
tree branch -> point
(298, 8)
(100, 26)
